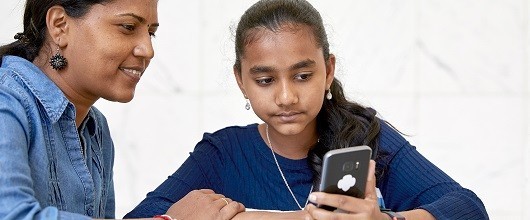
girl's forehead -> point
(286, 32)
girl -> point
(286, 73)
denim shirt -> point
(49, 169)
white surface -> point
(454, 74)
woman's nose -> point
(145, 48)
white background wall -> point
(454, 74)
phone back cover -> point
(338, 166)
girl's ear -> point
(57, 25)
(330, 70)
(239, 79)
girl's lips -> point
(288, 117)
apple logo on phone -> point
(346, 182)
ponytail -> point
(340, 124)
(29, 43)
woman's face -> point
(109, 48)
(285, 76)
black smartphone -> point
(345, 171)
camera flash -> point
(357, 165)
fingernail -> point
(312, 198)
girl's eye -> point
(152, 34)
(264, 81)
(303, 76)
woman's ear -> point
(330, 70)
(57, 24)
(239, 79)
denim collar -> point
(47, 93)
(45, 90)
(90, 122)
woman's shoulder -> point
(23, 80)
(15, 93)
(9, 80)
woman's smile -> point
(134, 73)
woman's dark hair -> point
(31, 40)
(340, 123)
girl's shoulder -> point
(391, 140)
(232, 134)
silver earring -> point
(329, 95)
(247, 106)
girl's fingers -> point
(321, 214)
(370, 193)
(346, 203)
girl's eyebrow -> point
(268, 69)
(302, 64)
(262, 69)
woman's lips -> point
(133, 73)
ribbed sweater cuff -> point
(457, 206)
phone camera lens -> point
(348, 166)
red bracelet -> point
(164, 217)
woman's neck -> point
(82, 104)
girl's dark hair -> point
(340, 123)
(31, 40)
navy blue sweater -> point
(236, 162)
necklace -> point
(281, 172)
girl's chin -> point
(289, 129)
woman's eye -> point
(264, 81)
(152, 34)
(128, 27)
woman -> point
(286, 73)
(56, 153)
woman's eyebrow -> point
(139, 18)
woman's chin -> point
(122, 98)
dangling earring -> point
(58, 62)
(247, 106)
(329, 95)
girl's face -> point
(109, 48)
(285, 76)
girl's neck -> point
(293, 147)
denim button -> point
(90, 212)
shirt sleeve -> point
(410, 181)
(17, 200)
(193, 174)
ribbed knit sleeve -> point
(191, 175)
(409, 181)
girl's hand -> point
(350, 207)
(205, 204)
(266, 215)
